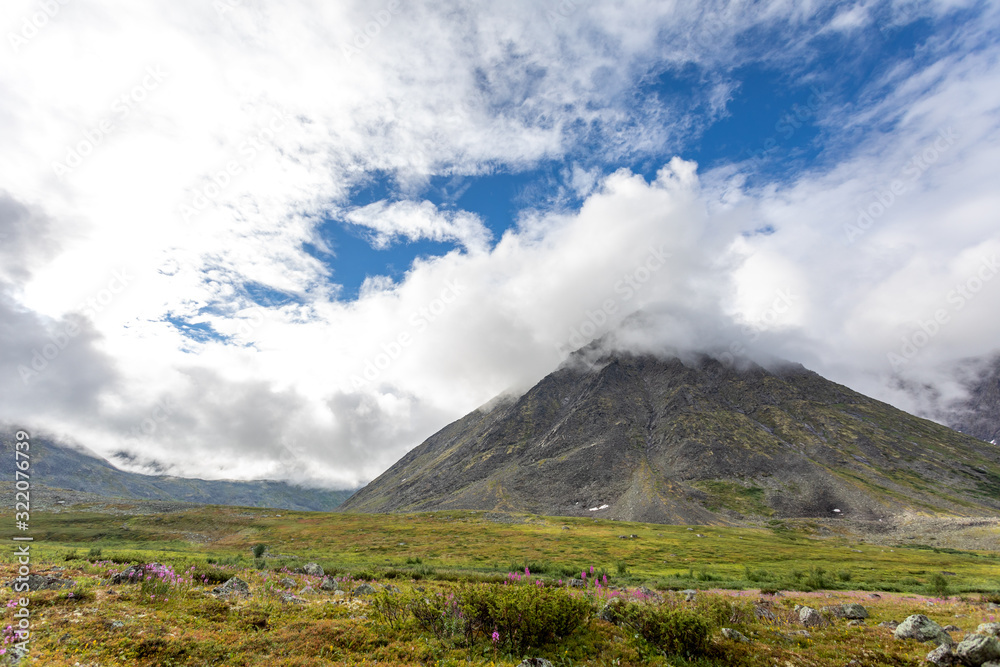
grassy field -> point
(429, 571)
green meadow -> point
(445, 586)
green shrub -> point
(388, 608)
(622, 568)
(524, 616)
(94, 553)
(674, 631)
(937, 584)
(844, 575)
(258, 550)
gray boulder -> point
(312, 569)
(40, 582)
(851, 611)
(922, 629)
(942, 656)
(992, 629)
(364, 589)
(809, 617)
(234, 588)
(952, 628)
(329, 584)
(976, 649)
(286, 582)
(892, 625)
(132, 573)
(735, 635)
(689, 594)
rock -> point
(312, 569)
(535, 662)
(364, 589)
(133, 573)
(329, 584)
(851, 610)
(809, 617)
(952, 628)
(922, 629)
(763, 612)
(892, 625)
(991, 663)
(689, 594)
(114, 625)
(942, 655)
(306, 590)
(576, 583)
(735, 635)
(286, 582)
(855, 623)
(40, 582)
(290, 598)
(233, 588)
(977, 649)
(992, 629)
(645, 593)
(339, 594)
(611, 611)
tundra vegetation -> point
(458, 588)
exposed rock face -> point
(922, 629)
(942, 656)
(992, 629)
(974, 650)
(642, 438)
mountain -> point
(978, 414)
(695, 441)
(59, 466)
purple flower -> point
(496, 636)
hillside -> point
(59, 466)
(663, 440)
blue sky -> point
(321, 233)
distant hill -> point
(60, 466)
(666, 440)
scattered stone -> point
(234, 587)
(312, 569)
(855, 622)
(329, 584)
(892, 625)
(689, 594)
(306, 590)
(809, 617)
(133, 573)
(286, 582)
(565, 527)
(364, 589)
(339, 594)
(922, 629)
(290, 598)
(735, 635)
(851, 610)
(646, 592)
(977, 649)
(40, 582)
(576, 583)
(874, 596)
(763, 611)
(942, 656)
(992, 629)
(114, 625)
(535, 662)
(952, 628)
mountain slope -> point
(59, 466)
(662, 440)
(978, 415)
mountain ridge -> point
(691, 441)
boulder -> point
(689, 594)
(952, 628)
(290, 598)
(286, 582)
(364, 589)
(233, 588)
(892, 625)
(809, 617)
(329, 584)
(40, 582)
(132, 573)
(976, 649)
(855, 623)
(942, 656)
(992, 629)
(312, 569)
(922, 629)
(735, 635)
(851, 610)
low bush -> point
(674, 631)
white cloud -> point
(415, 221)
